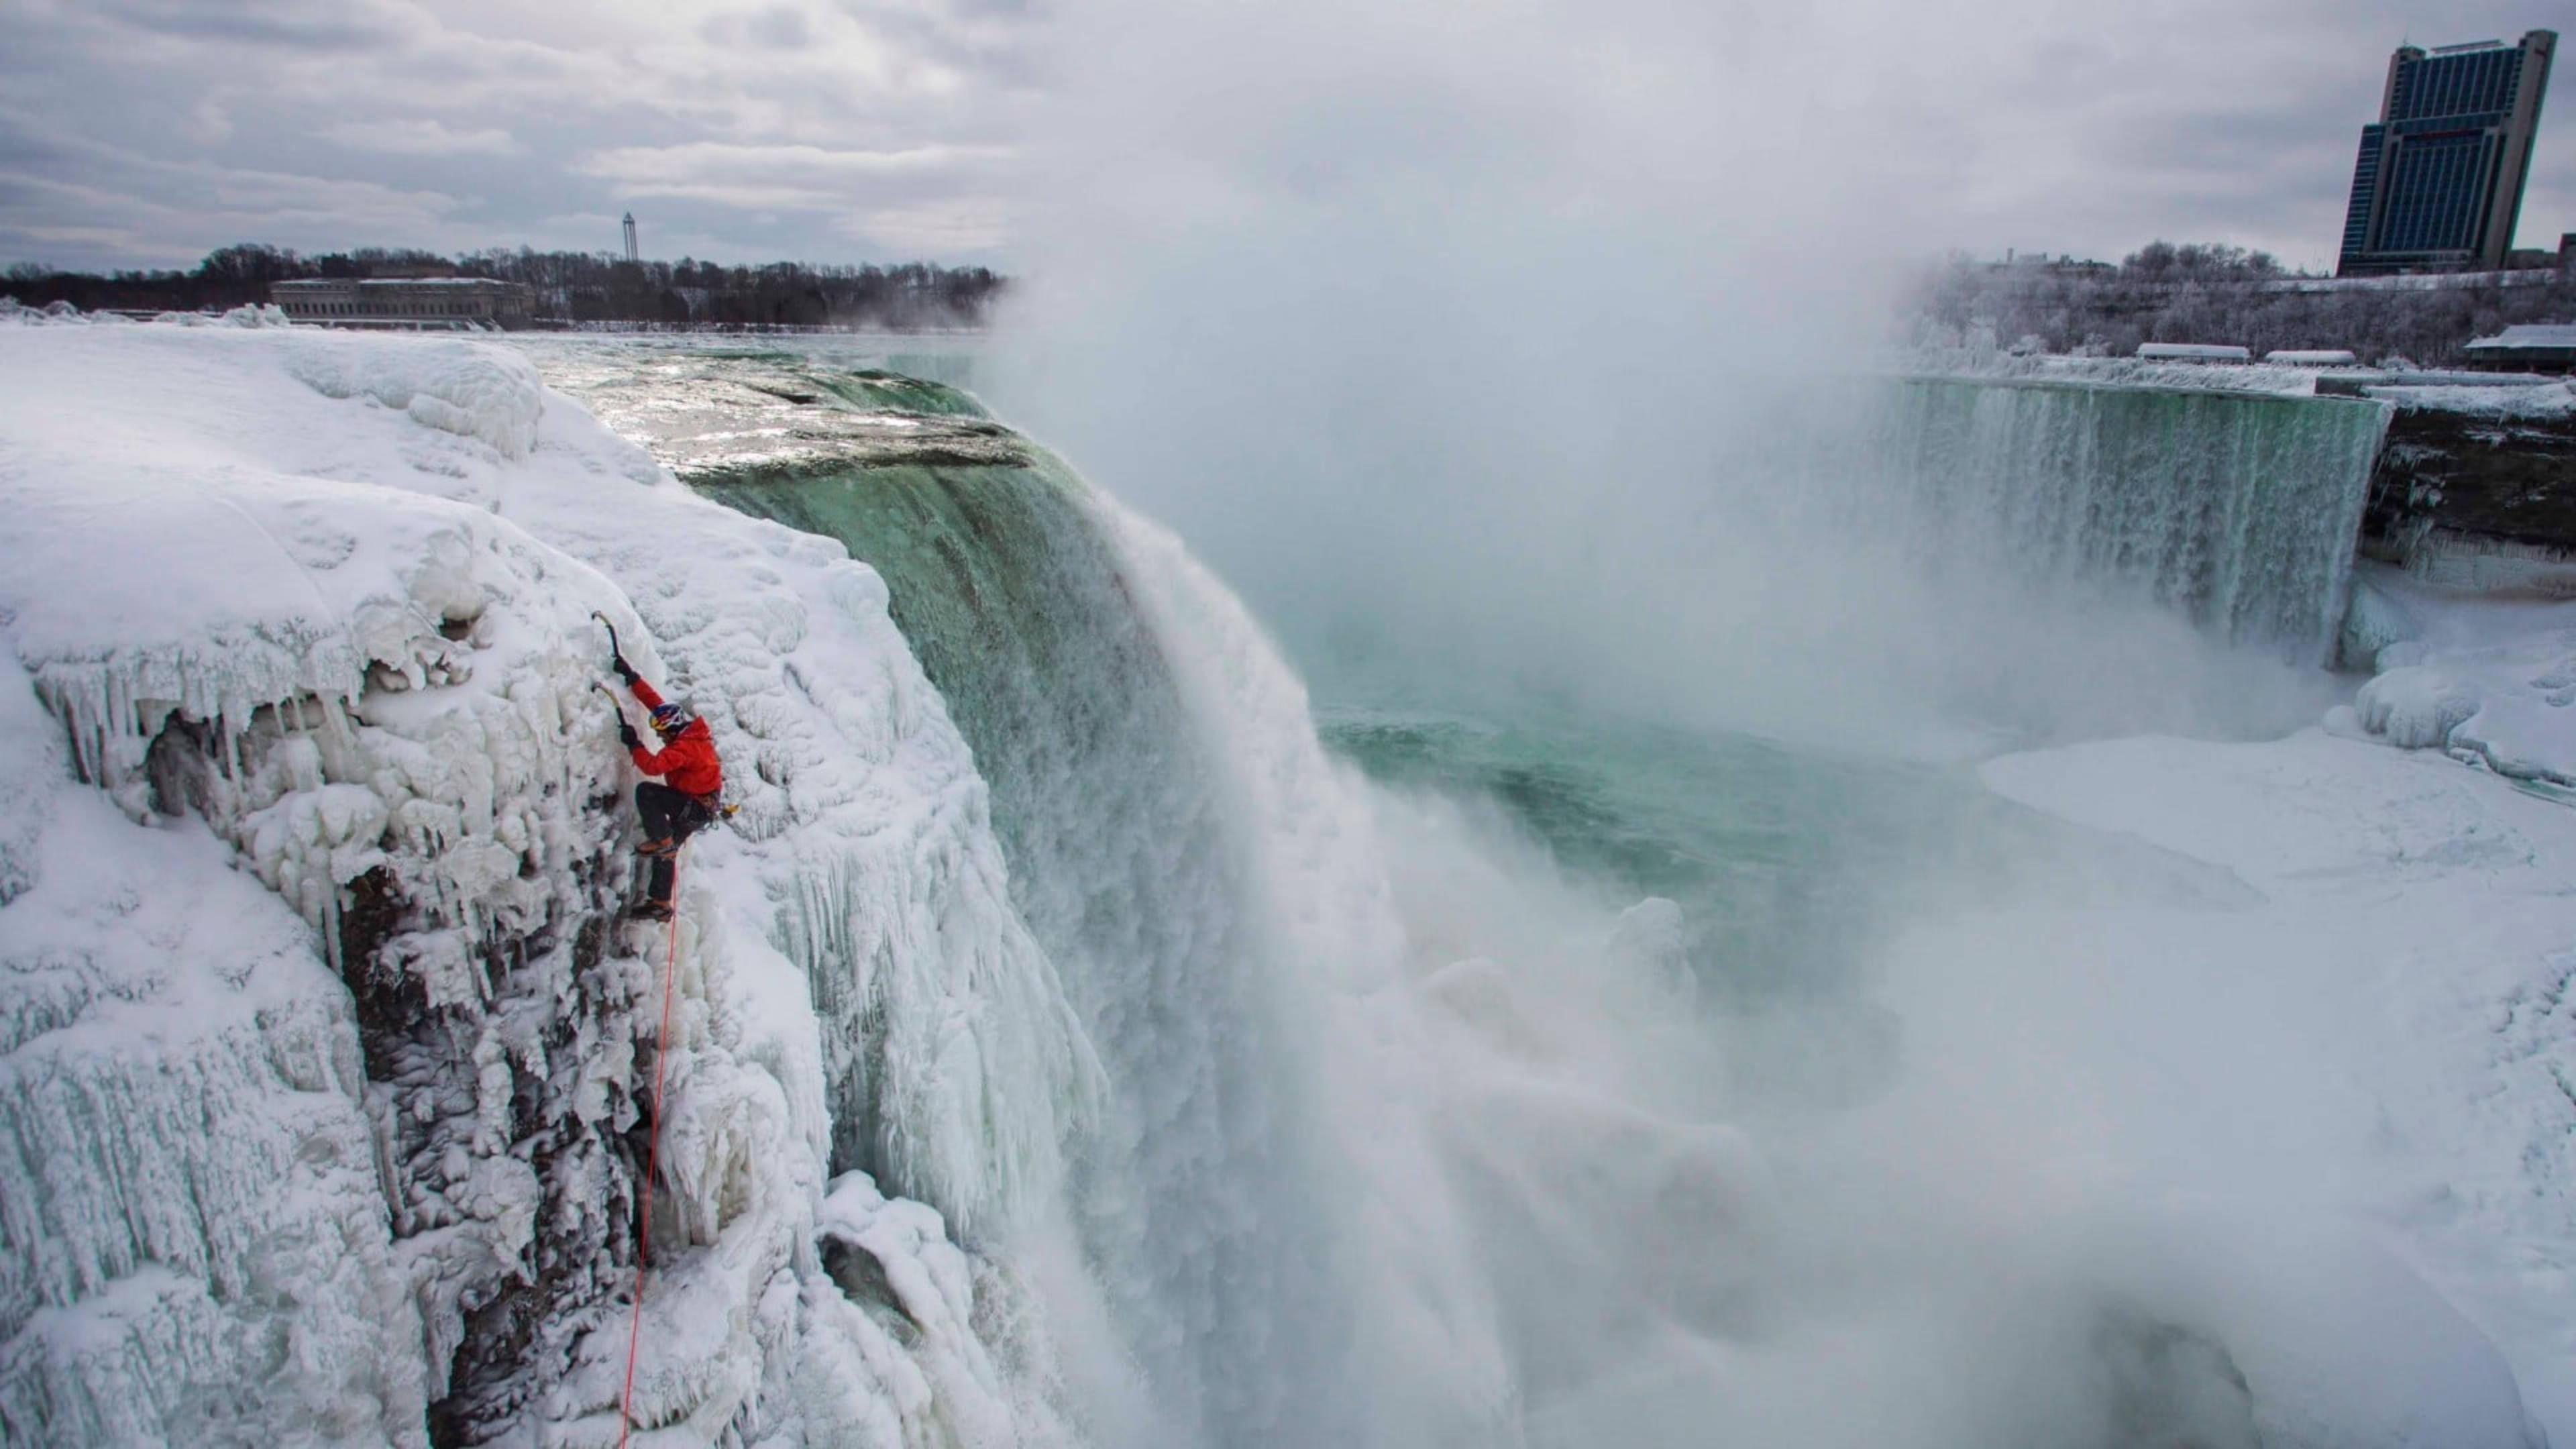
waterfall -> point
(1422, 1143)
(1198, 1214)
(2237, 510)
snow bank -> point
(1988, 364)
(53, 314)
(2492, 682)
(329, 598)
(2410, 964)
(2377, 1048)
(2506, 402)
(2279, 373)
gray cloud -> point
(779, 27)
(420, 136)
(296, 24)
(149, 131)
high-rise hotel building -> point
(2439, 182)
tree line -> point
(567, 287)
(2222, 294)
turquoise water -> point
(1785, 861)
(1791, 863)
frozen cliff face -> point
(193, 1239)
(324, 1050)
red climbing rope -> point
(652, 1150)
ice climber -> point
(686, 799)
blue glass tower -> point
(2438, 184)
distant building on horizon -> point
(413, 304)
(2438, 183)
(631, 254)
(2531, 347)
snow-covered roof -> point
(2529, 335)
(435, 282)
(328, 284)
(2195, 351)
(2329, 357)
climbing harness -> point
(652, 1151)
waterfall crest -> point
(2236, 510)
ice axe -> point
(616, 651)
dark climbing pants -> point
(670, 816)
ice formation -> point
(353, 1157)
(193, 1233)
(2490, 681)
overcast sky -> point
(147, 132)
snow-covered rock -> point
(16, 313)
(2492, 681)
(320, 992)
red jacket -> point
(689, 761)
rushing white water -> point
(1200, 1205)
(2238, 511)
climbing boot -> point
(650, 911)
(657, 888)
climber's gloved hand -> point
(624, 670)
(626, 735)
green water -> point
(1792, 864)
(883, 390)
(1785, 863)
(1011, 603)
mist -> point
(1510, 356)
(1495, 346)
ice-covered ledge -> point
(317, 607)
